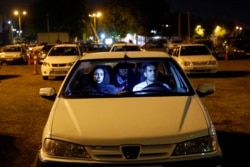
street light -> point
(95, 15)
(16, 12)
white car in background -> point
(158, 125)
(59, 60)
(195, 58)
(14, 54)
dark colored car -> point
(95, 47)
(238, 48)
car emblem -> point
(130, 152)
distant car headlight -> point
(239, 51)
(70, 64)
(212, 62)
(46, 64)
(201, 145)
(64, 149)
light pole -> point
(95, 15)
(17, 13)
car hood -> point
(134, 120)
(197, 58)
(61, 59)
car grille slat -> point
(58, 65)
(114, 153)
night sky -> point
(234, 10)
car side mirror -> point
(205, 89)
(48, 93)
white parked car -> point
(59, 60)
(195, 58)
(121, 47)
(14, 54)
(164, 123)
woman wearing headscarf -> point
(100, 81)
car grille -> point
(58, 72)
(130, 152)
(200, 63)
(59, 65)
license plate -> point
(59, 69)
(9, 59)
(200, 68)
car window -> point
(194, 50)
(64, 51)
(167, 74)
(125, 48)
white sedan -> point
(59, 60)
(164, 123)
(195, 58)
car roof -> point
(192, 44)
(124, 44)
(134, 54)
(66, 45)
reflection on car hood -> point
(61, 59)
(198, 58)
(134, 120)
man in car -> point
(151, 74)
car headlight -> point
(70, 64)
(46, 64)
(200, 145)
(64, 149)
(212, 62)
(187, 63)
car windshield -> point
(133, 77)
(125, 48)
(194, 50)
(64, 51)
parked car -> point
(59, 60)
(91, 124)
(121, 47)
(237, 48)
(43, 52)
(14, 54)
(195, 58)
(95, 47)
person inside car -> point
(149, 71)
(123, 78)
(100, 81)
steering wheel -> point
(155, 86)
